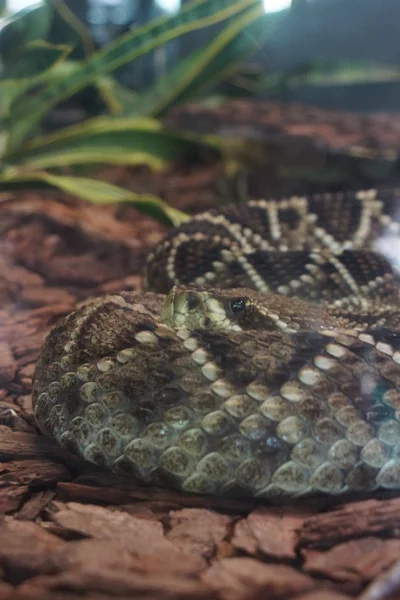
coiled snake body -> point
(283, 378)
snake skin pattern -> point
(287, 385)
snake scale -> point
(274, 370)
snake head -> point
(241, 309)
(204, 307)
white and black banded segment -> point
(315, 248)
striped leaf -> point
(20, 76)
(210, 65)
(25, 26)
(94, 191)
(135, 43)
(110, 140)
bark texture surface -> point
(69, 530)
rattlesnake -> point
(276, 370)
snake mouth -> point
(195, 309)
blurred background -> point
(315, 33)
(279, 96)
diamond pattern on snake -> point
(262, 359)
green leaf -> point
(96, 192)
(113, 141)
(331, 74)
(71, 29)
(25, 76)
(24, 26)
(135, 43)
(119, 99)
(9, 91)
(210, 65)
(3, 143)
(34, 62)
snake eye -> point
(235, 306)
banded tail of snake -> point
(273, 370)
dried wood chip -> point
(27, 446)
(11, 496)
(40, 472)
(323, 595)
(34, 506)
(386, 587)
(244, 578)
(198, 531)
(138, 535)
(356, 561)
(25, 330)
(271, 531)
(79, 492)
(6, 591)
(26, 550)
(10, 417)
(102, 555)
(122, 493)
(119, 584)
(8, 365)
(40, 296)
(130, 282)
(371, 517)
(285, 125)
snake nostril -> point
(192, 301)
